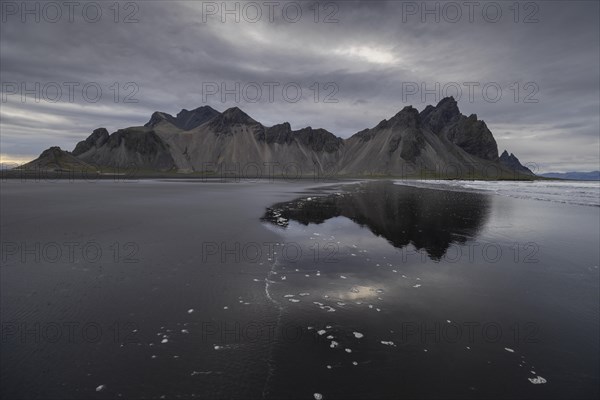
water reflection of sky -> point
(395, 263)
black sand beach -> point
(189, 289)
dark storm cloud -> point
(368, 57)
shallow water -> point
(283, 290)
(568, 192)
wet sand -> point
(283, 290)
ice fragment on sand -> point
(191, 310)
(357, 335)
(509, 350)
(100, 388)
(294, 300)
(318, 396)
(417, 285)
(388, 343)
(322, 332)
(165, 340)
(185, 331)
(354, 363)
(537, 381)
(343, 277)
(333, 344)
(348, 350)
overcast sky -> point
(355, 64)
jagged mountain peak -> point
(230, 120)
(197, 110)
(511, 162)
(236, 116)
(407, 117)
(185, 119)
(96, 139)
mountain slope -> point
(136, 147)
(439, 141)
(234, 142)
(56, 159)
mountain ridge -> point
(439, 140)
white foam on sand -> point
(537, 381)
(200, 373)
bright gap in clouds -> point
(369, 54)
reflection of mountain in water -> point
(429, 219)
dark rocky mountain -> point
(137, 147)
(185, 120)
(436, 142)
(512, 162)
(468, 133)
(95, 140)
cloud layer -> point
(531, 72)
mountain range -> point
(578, 176)
(439, 141)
